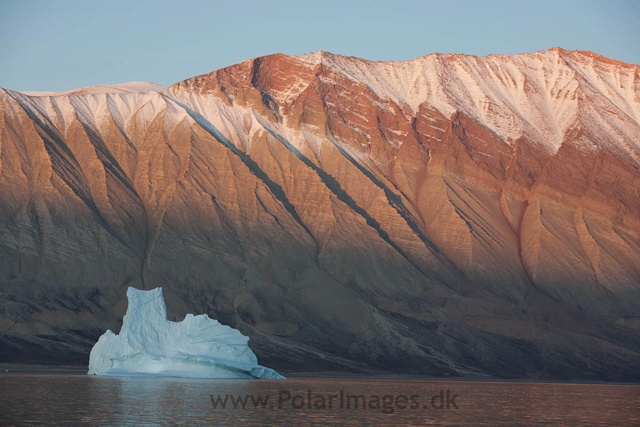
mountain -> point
(449, 216)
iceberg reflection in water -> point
(68, 399)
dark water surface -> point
(74, 399)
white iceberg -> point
(151, 345)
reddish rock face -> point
(448, 215)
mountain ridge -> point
(537, 117)
(451, 217)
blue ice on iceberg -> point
(151, 345)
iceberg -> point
(151, 345)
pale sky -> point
(60, 45)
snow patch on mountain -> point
(543, 95)
(131, 87)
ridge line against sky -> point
(66, 44)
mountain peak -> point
(513, 95)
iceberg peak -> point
(150, 344)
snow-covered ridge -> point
(543, 95)
(131, 87)
(127, 110)
(149, 344)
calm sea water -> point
(73, 399)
